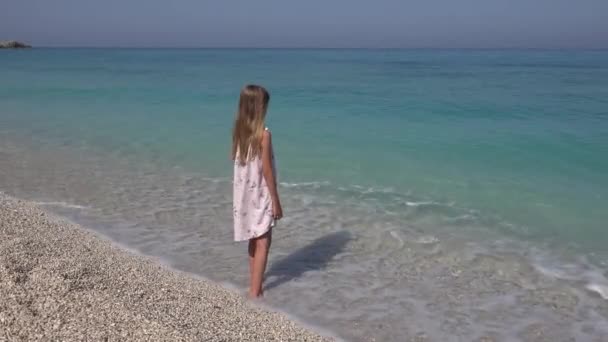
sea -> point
(429, 195)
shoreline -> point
(62, 281)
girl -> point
(256, 204)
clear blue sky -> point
(307, 23)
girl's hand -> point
(277, 211)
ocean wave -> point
(391, 199)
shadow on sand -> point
(312, 257)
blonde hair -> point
(249, 123)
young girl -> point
(256, 206)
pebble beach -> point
(61, 282)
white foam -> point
(585, 272)
(461, 218)
(61, 204)
(215, 180)
(417, 204)
(600, 289)
(373, 190)
(551, 272)
(304, 184)
(427, 239)
(395, 235)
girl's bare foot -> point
(253, 295)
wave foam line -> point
(61, 204)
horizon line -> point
(310, 47)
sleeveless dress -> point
(252, 205)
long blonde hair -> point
(249, 123)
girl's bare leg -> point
(260, 258)
(251, 251)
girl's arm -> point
(267, 170)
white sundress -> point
(252, 205)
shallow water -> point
(450, 195)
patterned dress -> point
(252, 205)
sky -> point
(308, 23)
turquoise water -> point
(512, 143)
(522, 135)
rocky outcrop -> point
(13, 44)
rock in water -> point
(13, 44)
